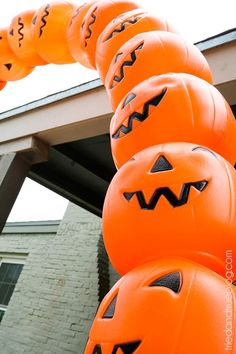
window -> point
(10, 269)
(2, 311)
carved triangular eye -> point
(127, 348)
(234, 283)
(171, 281)
(128, 196)
(97, 350)
(109, 313)
(8, 66)
(162, 164)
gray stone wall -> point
(113, 276)
(23, 243)
(56, 296)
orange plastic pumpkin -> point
(120, 30)
(2, 84)
(148, 54)
(175, 199)
(96, 19)
(21, 41)
(173, 107)
(49, 31)
(166, 307)
(73, 34)
(11, 68)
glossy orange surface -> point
(73, 33)
(21, 41)
(173, 107)
(175, 199)
(11, 68)
(167, 307)
(49, 31)
(2, 84)
(120, 30)
(148, 54)
(96, 19)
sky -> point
(195, 20)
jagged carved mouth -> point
(125, 348)
(89, 27)
(44, 20)
(123, 26)
(130, 59)
(128, 125)
(166, 192)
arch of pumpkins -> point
(169, 214)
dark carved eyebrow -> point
(118, 57)
(171, 281)
(128, 99)
(34, 20)
(204, 150)
(162, 164)
(109, 313)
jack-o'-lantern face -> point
(120, 30)
(173, 107)
(73, 34)
(174, 55)
(11, 68)
(96, 19)
(163, 307)
(172, 199)
(21, 41)
(48, 30)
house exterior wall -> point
(56, 297)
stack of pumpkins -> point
(169, 218)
